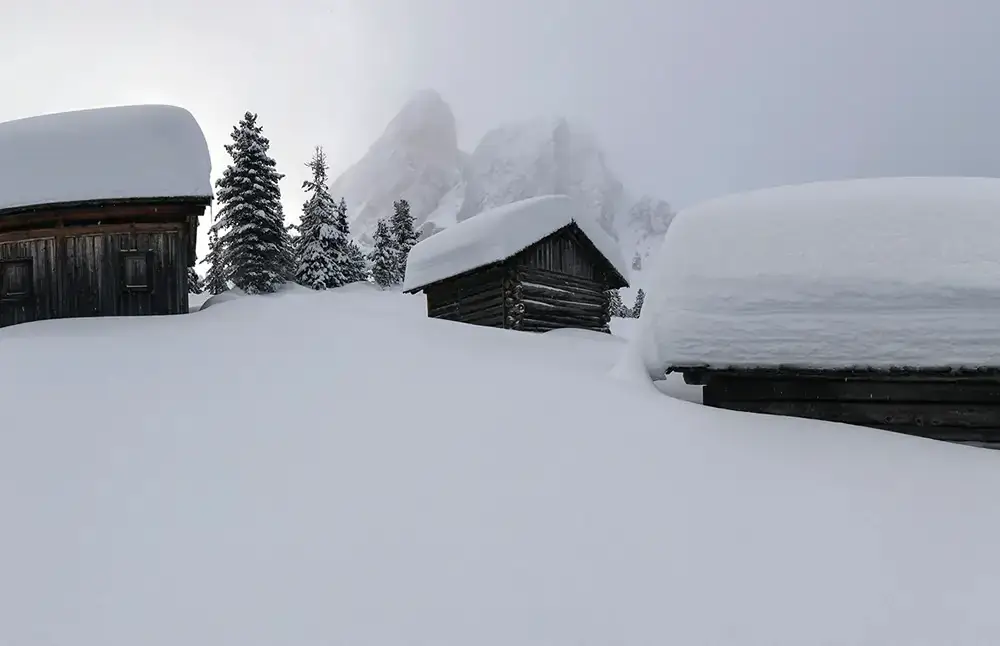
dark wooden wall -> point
(560, 281)
(950, 407)
(475, 297)
(563, 283)
(564, 252)
(77, 262)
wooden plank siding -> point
(563, 283)
(77, 271)
(949, 407)
(44, 300)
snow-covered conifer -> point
(195, 286)
(317, 266)
(640, 297)
(636, 262)
(253, 243)
(404, 237)
(356, 265)
(383, 257)
(615, 305)
(215, 276)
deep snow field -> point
(333, 468)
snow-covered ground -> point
(334, 468)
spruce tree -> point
(340, 244)
(215, 277)
(255, 245)
(383, 257)
(615, 305)
(636, 262)
(288, 263)
(195, 286)
(316, 266)
(356, 269)
(404, 236)
(640, 298)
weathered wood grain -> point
(78, 269)
(944, 404)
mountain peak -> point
(426, 117)
(417, 158)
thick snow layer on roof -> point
(142, 151)
(498, 234)
(862, 273)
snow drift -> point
(139, 151)
(881, 272)
(335, 468)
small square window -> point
(16, 279)
(136, 275)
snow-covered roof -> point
(498, 234)
(126, 152)
(878, 273)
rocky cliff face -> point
(417, 158)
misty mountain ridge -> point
(417, 158)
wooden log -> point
(562, 308)
(879, 413)
(452, 292)
(892, 373)
(737, 389)
(535, 291)
(485, 313)
(441, 311)
(478, 300)
(479, 276)
(944, 433)
(556, 279)
(564, 321)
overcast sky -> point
(690, 98)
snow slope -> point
(373, 477)
(876, 272)
(138, 151)
(417, 158)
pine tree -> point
(288, 262)
(195, 286)
(340, 245)
(356, 269)
(640, 298)
(254, 244)
(636, 262)
(404, 237)
(383, 258)
(215, 277)
(315, 246)
(615, 306)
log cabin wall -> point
(475, 297)
(94, 262)
(962, 408)
(563, 283)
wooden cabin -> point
(99, 212)
(866, 302)
(535, 265)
